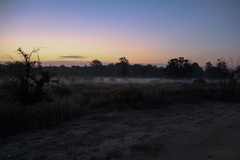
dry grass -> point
(69, 101)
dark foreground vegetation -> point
(68, 102)
(30, 101)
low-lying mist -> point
(115, 80)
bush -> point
(28, 85)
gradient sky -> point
(144, 31)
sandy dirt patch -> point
(124, 133)
(218, 142)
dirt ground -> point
(196, 131)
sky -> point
(75, 32)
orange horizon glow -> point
(146, 32)
(134, 58)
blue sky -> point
(144, 31)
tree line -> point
(176, 68)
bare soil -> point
(196, 131)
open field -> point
(64, 102)
(104, 121)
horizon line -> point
(83, 63)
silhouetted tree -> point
(97, 67)
(197, 70)
(222, 69)
(96, 63)
(210, 71)
(123, 60)
(226, 77)
(179, 68)
(31, 79)
(123, 64)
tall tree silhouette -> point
(210, 71)
(123, 63)
(179, 68)
(97, 67)
(197, 70)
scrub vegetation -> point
(31, 101)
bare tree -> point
(31, 82)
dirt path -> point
(173, 132)
(218, 142)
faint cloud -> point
(72, 57)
